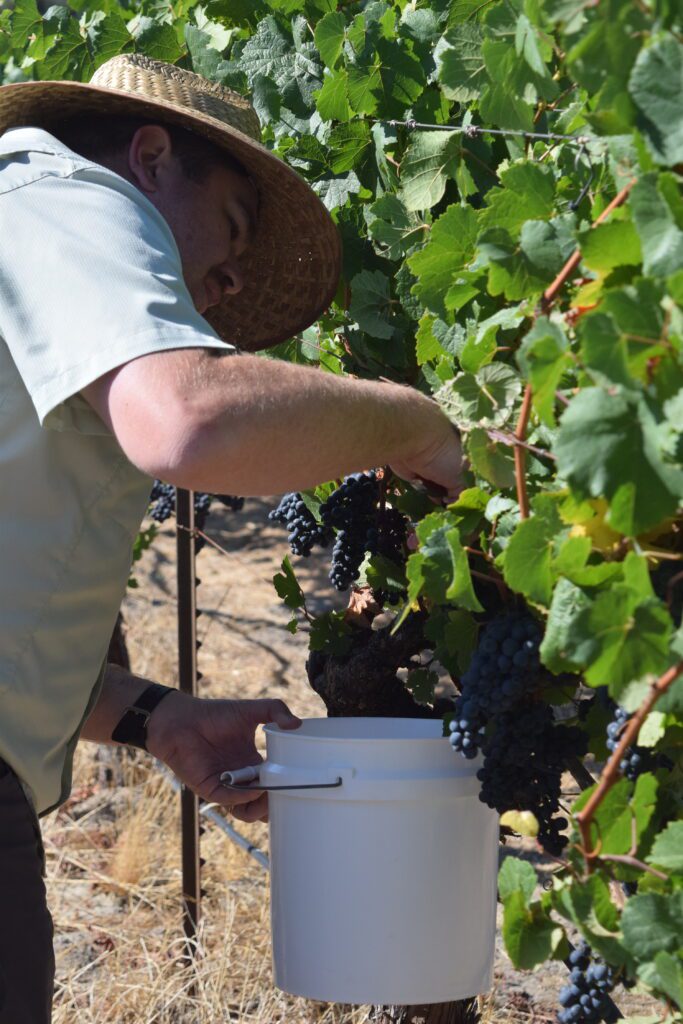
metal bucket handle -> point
(240, 778)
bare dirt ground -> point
(113, 851)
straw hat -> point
(293, 264)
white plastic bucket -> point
(383, 888)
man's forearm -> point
(253, 426)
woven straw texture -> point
(293, 264)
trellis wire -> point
(471, 131)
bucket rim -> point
(272, 727)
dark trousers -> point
(26, 956)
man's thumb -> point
(279, 714)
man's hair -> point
(97, 136)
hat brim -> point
(292, 266)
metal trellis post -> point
(187, 674)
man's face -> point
(213, 223)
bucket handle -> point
(240, 778)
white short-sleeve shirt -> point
(90, 278)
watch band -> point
(132, 727)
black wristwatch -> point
(132, 728)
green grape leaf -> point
(265, 97)
(527, 45)
(461, 592)
(206, 60)
(589, 906)
(156, 39)
(287, 586)
(329, 37)
(402, 77)
(660, 236)
(544, 358)
(371, 303)
(557, 648)
(67, 56)
(109, 37)
(392, 227)
(607, 447)
(527, 192)
(628, 819)
(364, 84)
(501, 106)
(469, 509)
(492, 461)
(332, 100)
(431, 158)
(667, 849)
(516, 876)
(330, 634)
(528, 555)
(653, 923)
(335, 191)
(621, 638)
(453, 635)
(520, 270)
(421, 683)
(450, 249)
(460, 65)
(655, 86)
(487, 398)
(666, 975)
(26, 21)
(530, 936)
(610, 245)
(348, 144)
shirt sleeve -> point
(90, 278)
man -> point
(134, 284)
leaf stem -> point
(611, 771)
(520, 453)
(512, 440)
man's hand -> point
(441, 464)
(201, 738)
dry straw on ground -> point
(113, 851)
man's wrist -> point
(165, 722)
(131, 727)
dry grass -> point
(113, 851)
(114, 881)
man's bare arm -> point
(247, 425)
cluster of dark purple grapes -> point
(525, 752)
(303, 532)
(502, 670)
(349, 515)
(585, 1000)
(162, 501)
(351, 510)
(162, 506)
(524, 758)
(387, 535)
(636, 760)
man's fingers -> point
(256, 810)
(272, 711)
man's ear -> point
(149, 156)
